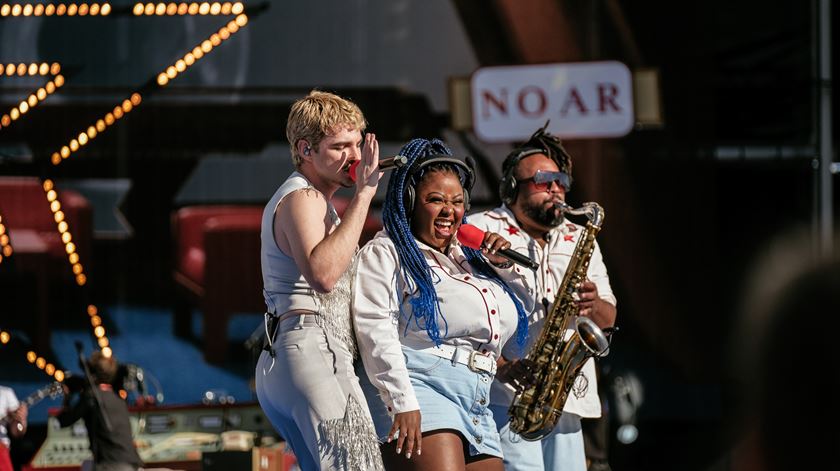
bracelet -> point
(503, 265)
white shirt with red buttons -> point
(543, 285)
(477, 314)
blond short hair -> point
(317, 115)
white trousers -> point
(561, 450)
(311, 395)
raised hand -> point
(367, 172)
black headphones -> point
(508, 186)
(541, 142)
(465, 174)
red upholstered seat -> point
(24, 205)
(188, 226)
(38, 251)
(217, 267)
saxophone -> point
(556, 360)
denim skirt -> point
(451, 396)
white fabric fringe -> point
(351, 441)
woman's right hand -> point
(406, 430)
(491, 244)
(517, 373)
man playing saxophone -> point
(536, 177)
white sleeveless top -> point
(284, 287)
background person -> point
(112, 445)
(13, 415)
(784, 353)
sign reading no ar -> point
(582, 100)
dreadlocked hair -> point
(549, 143)
(415, 269)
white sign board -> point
(582, 100)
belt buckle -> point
(471, 364)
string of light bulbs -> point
(30, 70)
(85, 136)
(39, 361)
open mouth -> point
(443, 227)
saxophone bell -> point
(592, 336)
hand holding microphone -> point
(473, 237)
(384, 164)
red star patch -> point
(513, 230)
(568, 238)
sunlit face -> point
(438, 208)
(334, 155)
(537, 202)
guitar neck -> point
(53, 390)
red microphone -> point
(384, 164)
(472, 237)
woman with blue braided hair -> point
(431, 317)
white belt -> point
(474, 359)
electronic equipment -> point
(165, 436)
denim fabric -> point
(451, 396)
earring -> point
(306, 150)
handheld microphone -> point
(472, 237)
(384, 164)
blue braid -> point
(415, 269)
(413, 264)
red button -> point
(492, 311)
(484, 290)
(496, 337)
(466, 278)
(549, 289)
